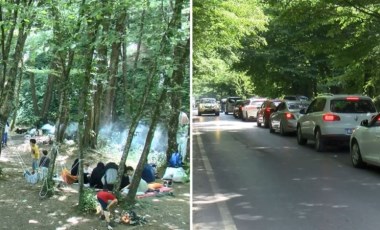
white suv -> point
(332, 118)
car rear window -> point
(352, 106)
(297, 105)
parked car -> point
(208, 105)
(238, 108)
(365, 144)
(332, 118)
(285, 116)
(251, 107)
(230, 102)
(265, 111)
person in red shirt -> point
(108, 202)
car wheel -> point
(258, 123)
(226, 113)
(216, 113)
(319, 143)
(199, 113)
(356, 157)
(282, 130)
(300, 139)
(243, 118)
(271, 130)
(266, 122)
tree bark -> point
(33, 92)
(113, 70)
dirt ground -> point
(22, 208)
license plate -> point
(349, 131)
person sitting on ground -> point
(148, 173)
(45, 160)
(74, 167)
(127, 177)
(108, 203)
(86, 173)
(96, 176)
(35, 154)
(44, 163)
(110, 175)
(142, 188)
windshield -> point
(208, 100)
(352, 106)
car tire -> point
(199, 114)
(319, 143)
(226, 113)
(300, 139)
(282, 130)
(243, 118)
(356, 157)
(258, 123)
(271, 130)
(216, 113)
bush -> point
(89, 202)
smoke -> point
(115, 137)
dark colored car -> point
(237, 108)
(266, 109)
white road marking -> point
(227, 220)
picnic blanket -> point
(158, 192)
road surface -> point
(246, 178)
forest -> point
(94, 70)
(281, 47)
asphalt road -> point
(246, 178)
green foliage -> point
(218, 29)
(89, 202)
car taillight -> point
(268, 110)
(330, 117)
(352, 98)
(289, 116)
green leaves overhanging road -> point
(293, 47)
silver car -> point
(284, 118)
(365, 144)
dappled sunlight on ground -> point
(22, 208)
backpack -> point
(175, 160)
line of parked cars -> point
(328, 119)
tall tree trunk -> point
(33, 92)
(13, 122)
(8, 94)
(84, 125)
(113, 70)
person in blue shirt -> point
(148, 173)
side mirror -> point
(364, 123)
(303, 111)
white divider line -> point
(227, 220)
